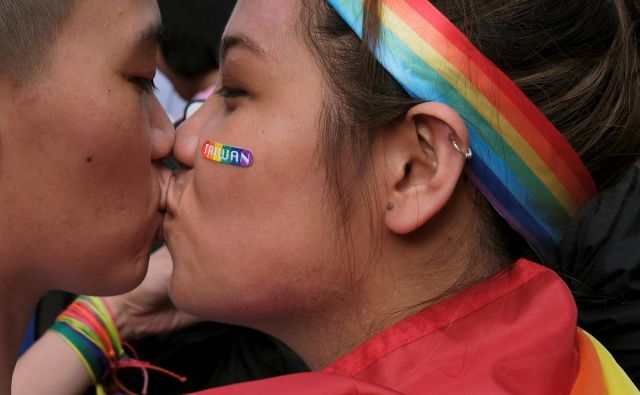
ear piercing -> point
(390, 206)
(468, 154)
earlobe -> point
(425, 155)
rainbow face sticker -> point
(228, 155)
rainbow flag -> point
(599, 372)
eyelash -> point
(231, 93)
(146, 85)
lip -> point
(165, 182)
(164, 179)
(168, 207)
(160, 233)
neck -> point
(18, 300)
(412, 273)
(321, 339)
(384, 299)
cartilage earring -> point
(468, 154)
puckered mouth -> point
(160, 233)
(167, 205)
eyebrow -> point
(152, 34)
(239, 40)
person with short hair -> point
(81, 139)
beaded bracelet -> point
(87, 327)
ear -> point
(425, 158)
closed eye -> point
(145, 85)
(230, 93)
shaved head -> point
(28, 29)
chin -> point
(113, 279)
(129, 279)
(188, 297)
(182, 296)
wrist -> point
(94, 361)
(87, 327)
(90, 330)
(119, 312)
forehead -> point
(270, 23)
(110, 21)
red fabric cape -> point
(513, 334)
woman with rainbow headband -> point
(405, 154)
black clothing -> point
(600, 260)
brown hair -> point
(579, 64)
(28, 29)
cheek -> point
(260, 240)
(77, 177)
(123, 146)
(249, 241)
(241, 275)
(112, 153)
(88, 159)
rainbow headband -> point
(521, 162)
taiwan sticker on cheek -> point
(228, 155)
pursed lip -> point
(169, 208)
(160, 232)
(166, 179)
(165, 194)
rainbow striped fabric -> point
(599, 373)
(521, 162)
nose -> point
(162, 131)
(185, 149)
(162, 138)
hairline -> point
(31, 65)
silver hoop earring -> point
(468, 154)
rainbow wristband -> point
(87, 327)
(92, 358)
